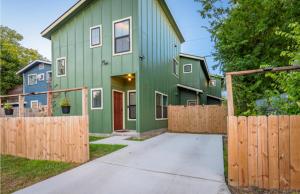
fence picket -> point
(197, 119)
(45, 138)
(295, 151)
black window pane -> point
(132, 112)
(158, 106)
(122, 44)
(96, 103)
(61, 67)
(165, 107)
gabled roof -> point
(46, 33)
(30, 65)
(204, 65)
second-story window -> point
(61, 67)
(32, 79)
(187, 68)
(175, 67)
(213, 82)
(122, 39)
(96, 36)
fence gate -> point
(197, 119)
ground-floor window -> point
(34, 104)
(161, 106)
(131, 99)
(96, 98)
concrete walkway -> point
(166, 164)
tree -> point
(13, 57)
(244, 33)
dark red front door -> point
(118, 110)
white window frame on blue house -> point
(34, 101)
(100, 36)
(28, 81)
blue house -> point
(37, 77)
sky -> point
(30, 17)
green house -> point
(127, 52)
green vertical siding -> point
(216, 90)
(84, 66)
(157, 45)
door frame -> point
(113, 112)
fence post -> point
(21, 105)
(85, 115)
(229, 95)
(49, 103)
(84, 102)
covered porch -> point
(123, 100)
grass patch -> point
(17, 173)
(225, 156)
(137, 138)
(95, 138)
(98, 150)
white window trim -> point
(101, 37)
(162, 112)
(211, 81)
(113, 36)
(130, 91)
(40, 75)
(188, 71)
(28, 79)
(47, 74)
(32, 101)
(188, 101)
(97, 108)
(176, 75)
(64, 75)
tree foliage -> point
(245, 33)
(13, 57)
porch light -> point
(129, 79)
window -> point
(41, 66)
(49, 76)
(175, 67)
(213, 82)
(191, 102)
(96, 98)
(187, 68)
(34, 104)
(41, 77)
(32, 79)
(95, 36)
(131, 99)
(122, 40)
(61, 67)
(161, 106)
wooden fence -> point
(47, 138)
(197, 119)
(264, 152)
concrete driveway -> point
(166, 164)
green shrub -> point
(65, 102)
(7, 106)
